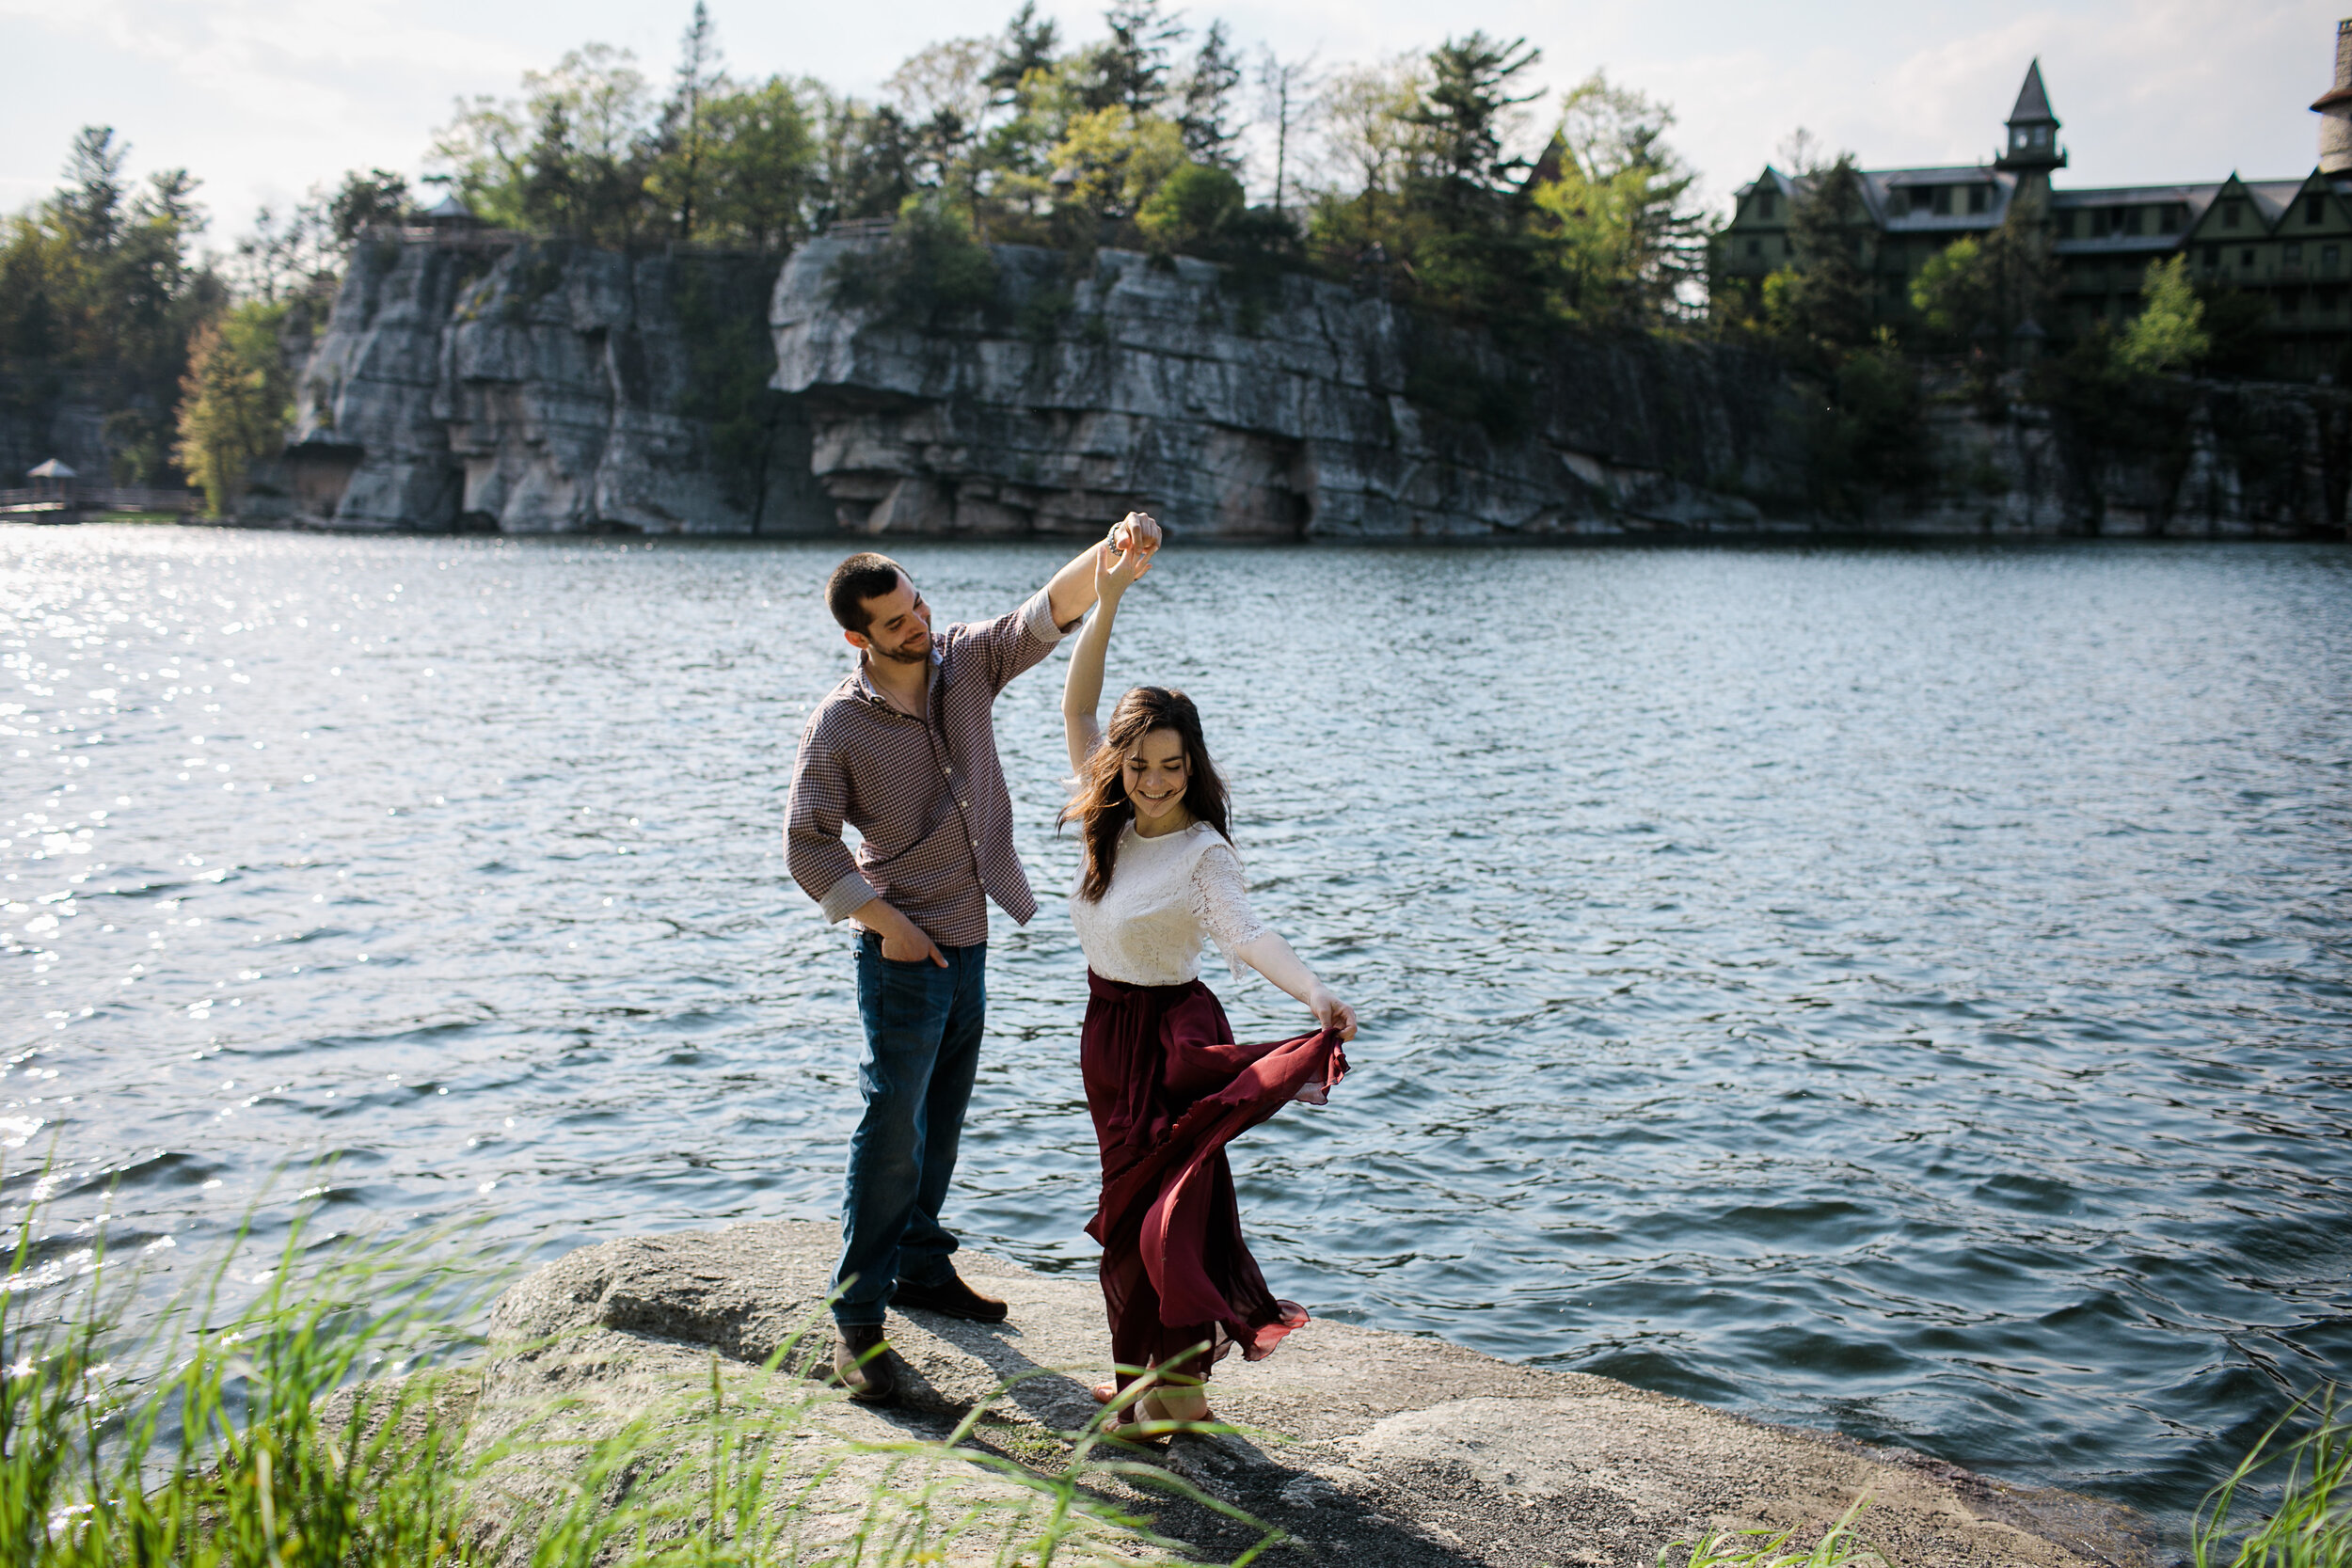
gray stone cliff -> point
(545, 388)
(485, 382)
(1293, 408)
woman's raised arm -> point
(1117, 561)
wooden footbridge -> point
(71, 504)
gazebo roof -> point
(52, 470)
(449, 207)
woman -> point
(1164, 1080)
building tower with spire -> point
(2033, 149)
(2334, 108)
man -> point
(904, 750)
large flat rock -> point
(1362, 1446)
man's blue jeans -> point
(922, 1048)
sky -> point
(263, 98)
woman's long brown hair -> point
(1101, 807)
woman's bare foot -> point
(1164, 1404)
(1176, 1404)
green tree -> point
(233, 409)
(682, 141)
(762, 166)
(376, 197)
(1626, 243)
(1130, 70)
(1206, 111)
(1819, 305)
(1981, 291)
(2169, 334)
(1193, 208)
(574, 156)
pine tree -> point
(1821, 302)
(1208, 101)
(683, 157)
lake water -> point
(1902, 990)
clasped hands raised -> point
(1126, 555)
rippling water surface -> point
(1896, 991)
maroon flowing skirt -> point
(1170, 1088)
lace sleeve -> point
(1221, 901)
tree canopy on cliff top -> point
(1420, 173)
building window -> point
(2017, 138)
(2212, 256)
(2230, 212)
(2325, 300)
(1980, 198)
(2330, 258)
(1944, 200)
(2292, 256)
(1787, 247)
(1756, 248)
(2246, 259)
(2172, 216)
(2066, 224)
(1922, 198)
(2041, 136)
(1764, 204)
(2290, 301)
(2314, 209)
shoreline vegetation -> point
(1440, 180)
(352, 1411)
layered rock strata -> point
(1283, 408)
(545, 388)
(1361, 1445)
(477, 382)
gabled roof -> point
(2269, 199)
(2033, 103)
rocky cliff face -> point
(538, 386)
(1288, 408)
(2180, 459)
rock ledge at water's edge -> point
(1363, 1446)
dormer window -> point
(1980, 198)
(1764, 204)
(2314, 209)
(1922, 198)
(2232, 211)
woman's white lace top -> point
(1166, 894)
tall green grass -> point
(2307, 1453)
(321, 1424)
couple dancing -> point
(904, 750)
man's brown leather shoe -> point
(864, 1363)
(952, 1299)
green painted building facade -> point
(2286, 243)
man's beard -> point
(907, 653)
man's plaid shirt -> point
(928, 795)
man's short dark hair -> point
(865, 576)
